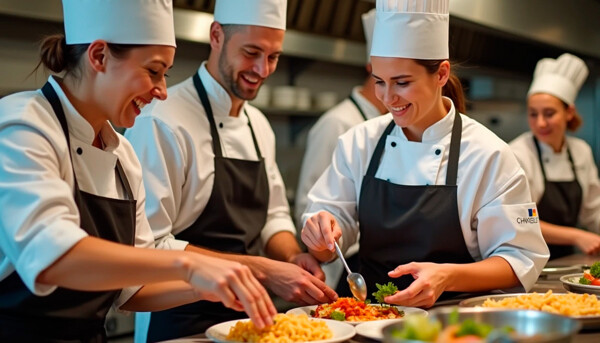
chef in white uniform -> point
(438, 199)
(210, 171)
(561, 171)
(361, 105)
(72, 221)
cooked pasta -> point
(287, 328)
(569, 304)
(352, 310)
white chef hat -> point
(368, 21)
(119, 21)
(268, 13)
(561, 77)
(411, 29)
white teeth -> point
(139, 103)
(398, 109)
(251, 79)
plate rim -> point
(351, 333)
(383, 322)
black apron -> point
(560, 203)
(401, 223)
(67, 315)
(232, 221)
(342, 288)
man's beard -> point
(229, 83)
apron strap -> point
(362, 113)
(452, 172)
(376, 157)
(124, 181)
(54, 101)
(211, 119)
(539, 153)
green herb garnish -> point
(383, 291)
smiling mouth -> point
(401, 108)
(251, 79)
(139, 103)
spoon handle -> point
(339, 253)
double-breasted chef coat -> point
(491, 201)
(186, 194)
(54, 192)
(564, 184)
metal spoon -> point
(355, 280)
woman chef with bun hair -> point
(561, 170)
(72, 220)
(441, 203)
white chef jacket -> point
(39, 220)
(174, 144)
(558, 168)
(493, 195)
(322, 140)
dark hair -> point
(229, 30)
(575, 123)
(453, 88)
(57, 56)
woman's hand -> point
(320, 232)
(588, 242)
(431, 280)
(233, 284)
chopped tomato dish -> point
(352, 310)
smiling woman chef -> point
(439, 200)
(561, 170)
(71, 187)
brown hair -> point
(57, 56)
(453, 88)
(575, 123)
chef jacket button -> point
(438, 151)
(79, 151)
(221, 125)
(547, 160)
(393, 144)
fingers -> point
(254, 298)
(319, 292)
(318, 234)
(403, 269)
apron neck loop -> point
(539, 153)
(362, 113)
(452, 172)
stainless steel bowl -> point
(540, 327)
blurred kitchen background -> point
(494, 44)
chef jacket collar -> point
(438, 130)
(547, 150)
(79, 127)
(220, 101)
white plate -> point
(374, 329)
(571, 284)
(307, 309)
(341, 331)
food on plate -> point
(286, 328)
(569, 304)
(352, 310)
(418, 327)
(591, 276)
(383, 291)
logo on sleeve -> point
(532, 217)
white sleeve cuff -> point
(276, 225)
(44, 249)
(171, 243)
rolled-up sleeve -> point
(40, 220)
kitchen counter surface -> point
(544, 284)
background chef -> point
(71, 195)
(210, 170)
(562, 175)
(361, 105)
(434, 194)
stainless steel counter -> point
(543, 285)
